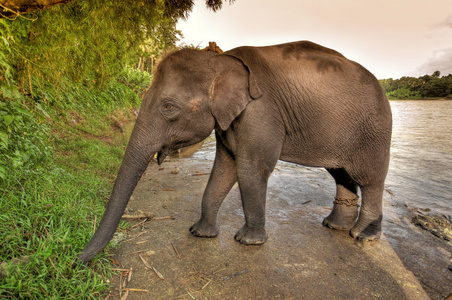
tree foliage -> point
(427, 86)
(85, 41)
(14, 8)
(54, 59)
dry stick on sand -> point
(126, 294)
(138, 215)
(164, 218)
(206, 284)
(129, 276)
(136, 290)
(149, 266)
(141, 223)
(141, 215)
(124, 297)
(175, 249)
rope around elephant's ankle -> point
(346, 202)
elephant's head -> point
(192, 93)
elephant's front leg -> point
(222, 178)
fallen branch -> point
(142, 215)
(158, 273)
(138, 215)
(124, 297)
(149, 266)
(175, 249)
(129, 275)
(206, 284)
(141, 223)
(164, 218)
(136, 290)
(145, 262)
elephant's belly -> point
(310, 157)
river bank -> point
(301, 260)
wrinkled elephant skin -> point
(298, 102)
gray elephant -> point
(298, 102)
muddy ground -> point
(301, 260)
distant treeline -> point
(427, 86)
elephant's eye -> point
(169, 110)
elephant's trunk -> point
(138, 155)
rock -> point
(438, 225)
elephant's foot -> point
(367, 229)
(251, 235)
(344, 214)
(204, 229)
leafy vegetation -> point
(68, 77)
(85, 41)
(427, 86)
(58, 156)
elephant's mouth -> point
(162, 154)
(166, 150)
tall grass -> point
(59, 158)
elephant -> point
(298, 102)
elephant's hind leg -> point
(368, 226)
(345, 210)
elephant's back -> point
(324, 100)
(304, 65)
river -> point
(420, 172)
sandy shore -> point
(301, 260)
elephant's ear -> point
(231, 90)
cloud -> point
(441, 60)
(447, 22)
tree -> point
(85, 41)
(14, 8)
(427, 86)
(436, 74)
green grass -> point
(46, 225)
(56, 181)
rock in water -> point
(439, 225)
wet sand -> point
(301, 260)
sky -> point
(391, 38)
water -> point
(420, 173)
